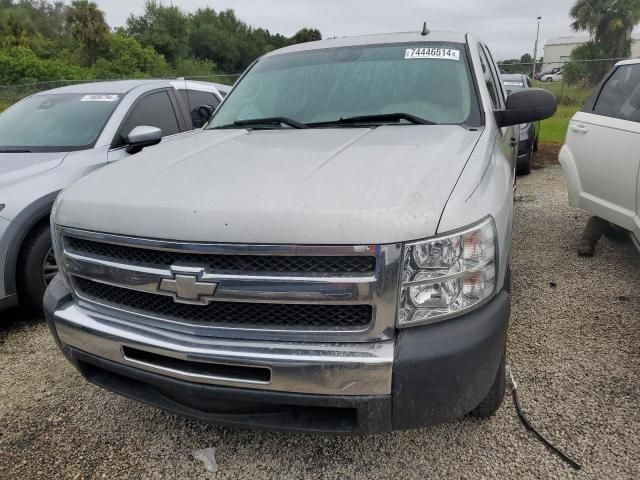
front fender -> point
(16, 233)
(485, 188)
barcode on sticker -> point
(431, 52)
(99, 98)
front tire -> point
(36, 268)
(524, 168)
(491, 403)
(507, 279)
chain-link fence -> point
(571, 81)
(12, 93)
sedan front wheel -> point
(36, 268)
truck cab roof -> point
(377, 39)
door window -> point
(154, 110)
(620, 95)
(195, 98)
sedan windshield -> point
(55, 122)
(400, 84)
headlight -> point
(447, 275)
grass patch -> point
(566, 94)
(554, 129)
(571, 98)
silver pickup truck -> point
(330, 253)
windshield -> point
(429, 81)
(56, 122)
(512, 86)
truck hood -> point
(316, 186)
(15, 167)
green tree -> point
(609, 23)
(18, 30)
(22, 65)
(306, 35)
(87, 26)
(48, 18)
(126, 58)
(523, 65)
(42, 39)
(165, 29)
(583, 69)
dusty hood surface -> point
(316, 186)
(15, 167)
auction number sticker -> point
(431, 52)
(99, 98)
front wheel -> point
(37, 267)
(548, 80)
(524, 167)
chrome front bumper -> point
(343, 369)
(440, 371)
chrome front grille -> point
(271, 315)
(288, 292)
(224, 262)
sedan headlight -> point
(447, 275)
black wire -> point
(575, 465)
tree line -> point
(610, 24)
(43, 40)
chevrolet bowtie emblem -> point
(187, 286)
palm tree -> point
(609, 23)
(87, 25)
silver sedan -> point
(51, 139)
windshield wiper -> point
(376, 118)
(266, 121)
(14, 150)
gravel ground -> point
(573, 345)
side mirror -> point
(526, 106)
(142, 136)
(201, 115)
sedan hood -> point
(315, 186)
(15, 167)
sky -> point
(508, 26)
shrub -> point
(126, 58)
(193, 67)
(21, 65)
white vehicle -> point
(601, 156)
(551, 77)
